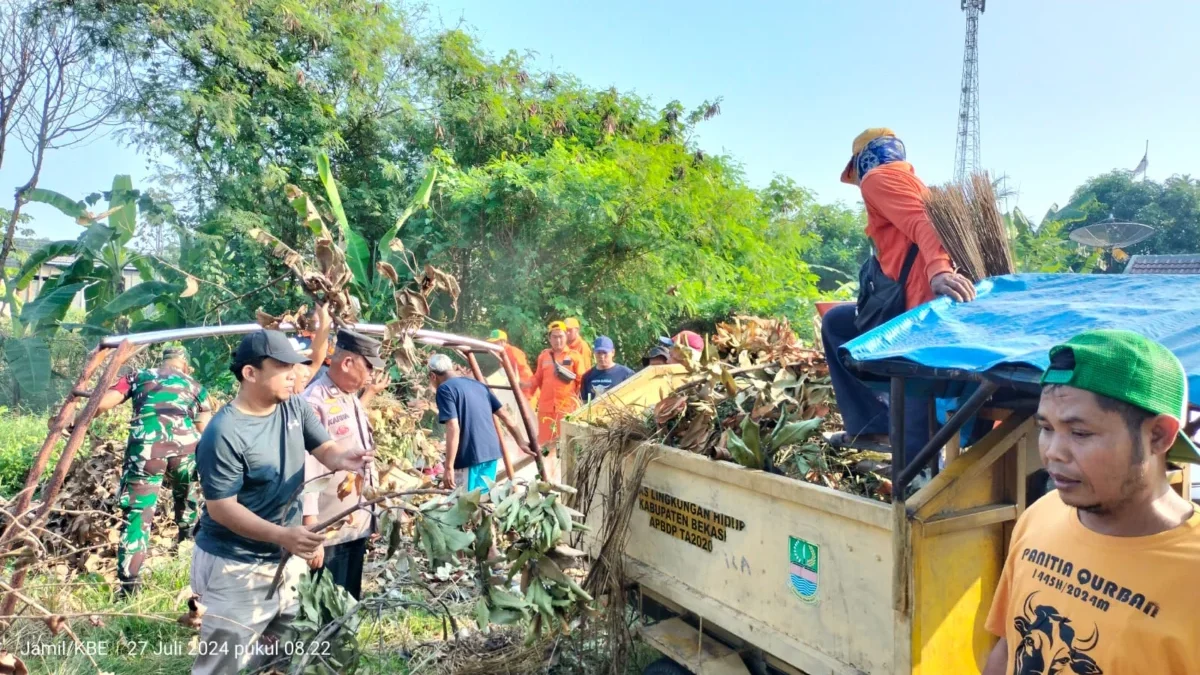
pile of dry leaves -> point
(400, 438)
(760, 398)
(86, 516)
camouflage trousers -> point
(141, 479)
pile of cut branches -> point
(80, 533)
(759, 398)
(86, 517)
(400, 439)
(511, 540)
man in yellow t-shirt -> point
(1100, 576)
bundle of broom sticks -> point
(969, 223)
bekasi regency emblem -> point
(804, 573)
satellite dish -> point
(1111, 233)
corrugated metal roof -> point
(1163, 264)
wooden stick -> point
(287, 555)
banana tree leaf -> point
(123, 221)
(278, 249)
(304, 207)
(83, 269)
(98, 295)
(29, 362)
(70, 207)
(358, 259)
(146, 266)
(38, 258)
(51, 305)
(794, 433)
(419, 201)
(96, 237)
(740, 453)
(142, 295)
(751, 438)
(358, 251)
(1078, 210)
(331, 190)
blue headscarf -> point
(882, 150)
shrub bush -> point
(21, 435)
(20, 438)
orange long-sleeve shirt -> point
(554, 395)
(520, 362)
(584, 350)
(896, 219)
(555, 398)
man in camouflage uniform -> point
(170, 410)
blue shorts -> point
(472, 477)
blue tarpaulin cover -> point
(1016, 319)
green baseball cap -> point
(1128, 367)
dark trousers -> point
(345, 562)
(863, 410)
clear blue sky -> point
(1069, 89)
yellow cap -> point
(860, 142)
(556, 325)
(497, 335)
(572, 322)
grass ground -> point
(143, 645)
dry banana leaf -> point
(388, 271)
(437, 280)
(280, 250)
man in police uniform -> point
(335, 397)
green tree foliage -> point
(842, 243)
(1045, 247)
(555, 198)
(631, 236)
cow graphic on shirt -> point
(1049, 646)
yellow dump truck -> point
(759, 568)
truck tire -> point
(665, 666)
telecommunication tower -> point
(966, 150)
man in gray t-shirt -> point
(251, 465)
(259, 460)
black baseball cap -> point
(657, 351)
(267, 344)
(357, 343)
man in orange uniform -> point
(555, 382)
(904, 242)
(577, 344)
(516, 356)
